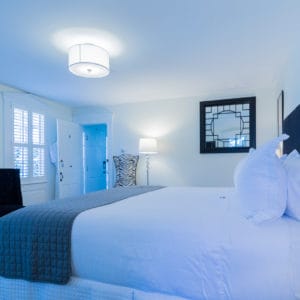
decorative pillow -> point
(239, 167)
(261, 183)
(126, 165)
(292, 166)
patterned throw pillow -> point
(126, 165)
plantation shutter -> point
(38, 141)
(29, 143)
(21, 159)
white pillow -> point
(239, 167)
(261, 183)
(292, 166)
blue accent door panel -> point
(95, 171)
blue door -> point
(94, 157)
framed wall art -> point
(280, 118)
(228, 125)
(280, 112)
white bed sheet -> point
(76, 289)
(174, 244)
(187, 242)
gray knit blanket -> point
(35, 242)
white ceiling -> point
(170, 48)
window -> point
(29, 143)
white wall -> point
(291, 85)
(175, 123)
(3, 89)
(32, 193)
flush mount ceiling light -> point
(88, 60)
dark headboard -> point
(291, 126)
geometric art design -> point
(227, 125)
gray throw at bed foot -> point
(35, 242)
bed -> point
(156, 246)
(174, 243)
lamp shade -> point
(88, 60)
(148, 145)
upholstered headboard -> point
(291, 126)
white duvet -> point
(188, 242)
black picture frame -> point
(280, 113)
(241, 112)
(280, 118)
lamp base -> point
(147, 167)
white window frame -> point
(30, 179)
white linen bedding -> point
(188, 242)
(175, 243)
(75, 289)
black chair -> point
(10, 191)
